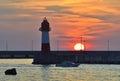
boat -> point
(67, 64)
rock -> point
(11, 72)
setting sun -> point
(79, 47)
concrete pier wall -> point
(90, 57)
(85, 57)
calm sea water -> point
(29, 72)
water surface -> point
(29, 72)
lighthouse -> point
(45, 28)
(44, 57)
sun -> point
(79, 47)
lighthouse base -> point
(45, 59)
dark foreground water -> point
(29, 72)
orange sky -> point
(95, 20)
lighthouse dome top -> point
(45, 25)
(45, 20)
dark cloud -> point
(18, 1)
(65, 37)
(56, 8)
(17, 19)
(73, 21)
(92, 34)
(104, 16)
(98, 28)
(60, 9)
(13, 1)
(58, 15)
(108, 18)
(13, 14)
(100, 17)
(7, 10)
(96, 31)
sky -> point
(96, 21)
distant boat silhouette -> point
(67, 64)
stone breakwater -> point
(85, 57)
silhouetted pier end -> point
(44, 59)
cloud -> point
(105, 14)
(99, 27)
(66, 37)
(110, 18)
(92, 34)
(56, 8)
(60, 9)
(68, 19)
(6, 10)
(13, 1)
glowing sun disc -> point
(78, 47)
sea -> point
(84, 72)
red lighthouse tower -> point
(45, 28)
